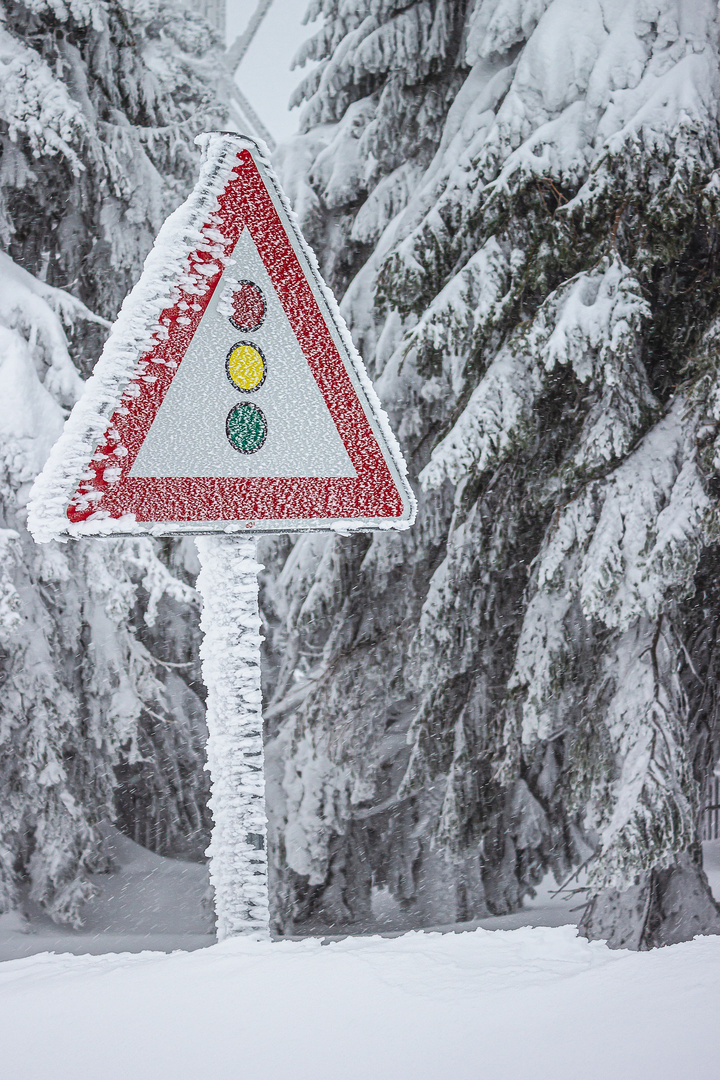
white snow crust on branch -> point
(591, 100)
(36, 105)
(480, 290)
(622, 550)
(620, 556)
(230, 655)
(38, 311)
(39, 378)
(590, 324)
(645, 720)
(318, 805)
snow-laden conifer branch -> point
(591, 325)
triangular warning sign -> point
(229, 394)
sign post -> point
(228, 400)
(230, 655)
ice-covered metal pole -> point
(230, 655)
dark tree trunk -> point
(665, 907)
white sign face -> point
(188, 435)
(229, 395)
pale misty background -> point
(265, 74)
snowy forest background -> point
(517, 201)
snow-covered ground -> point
(149, 902)
(522, 1002)
(506, 1005)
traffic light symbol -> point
(246, 368)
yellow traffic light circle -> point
(245, 366)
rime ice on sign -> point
(229, 394)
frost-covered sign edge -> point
(88, 486)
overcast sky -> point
(264, 75)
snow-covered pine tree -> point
(99, 103)
(518, 198)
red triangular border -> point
(108, 488)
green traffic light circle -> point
(246, 428)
